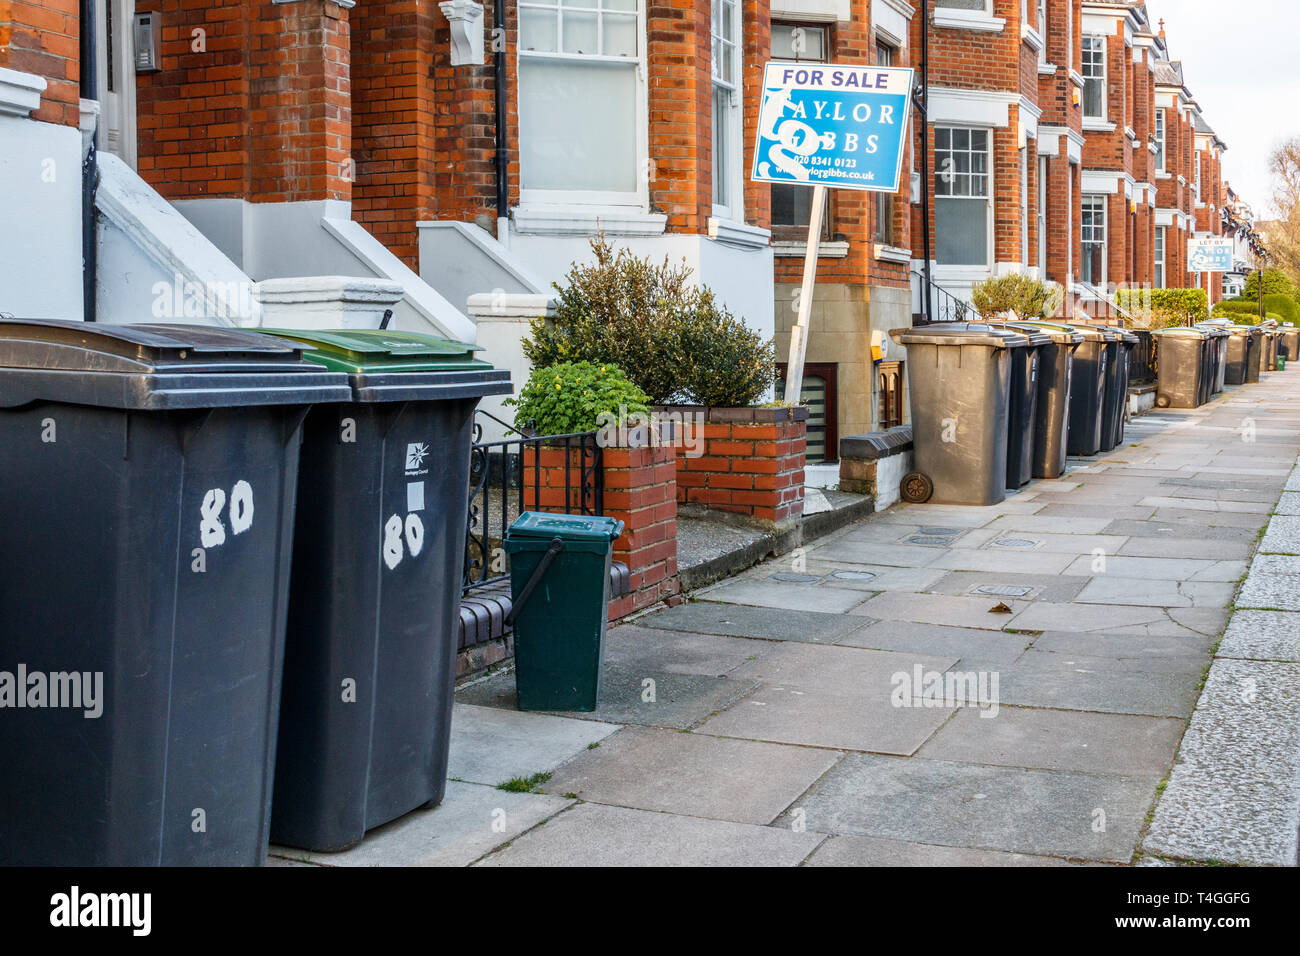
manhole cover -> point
(1002, 590)
(855, 575)
(796, 578)
(944, 531)
(929, 541)
(1014, 543)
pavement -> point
(1039, 682)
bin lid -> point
(386, 365)
(1182, 331)
(1035, 335)
(960, 333)
(1239, 329)
(1055, 331)
(534, 529)
(159, 366)
(1212, 328)
(1091, 333)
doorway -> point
(115, 76)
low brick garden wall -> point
(747, 461)
(640, 489)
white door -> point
(115, 74)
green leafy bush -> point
(1276, 282)
(670, 337)
(1276, 302)
(1243, 313)
(1163, 308)
(1028, 297)
(570, 397)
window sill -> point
(732, 233)
(587, 221)
(788, 249)
(20, 93)
(1046, 69)
(1077, 79)
(1162, 175)
(1095, 125)
(887, 253)
(978, 20)
(1031, 37)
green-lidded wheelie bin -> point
(559, 582)
(149, 475)
(378, 565)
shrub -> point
(1276, 282)
(673, 339)
(1247, 315)
(1162, 308)
(1026, 296)
(1277, 302)
(571, 396)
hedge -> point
(1278, 302)
(1161, 308)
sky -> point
(1241, 61)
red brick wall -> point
(752, 464)
(43, 38)
(641, 491)
(252, 101)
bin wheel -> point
(916, 488)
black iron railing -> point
(514, 475)
(946, 306)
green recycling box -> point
(559, 577)
(374, 595)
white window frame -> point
(1159, 130)
(1103, 78)
(1196, 155)
(1041, 14)
(638, 199)
(735, 181)
(988, 199)
(1042, 217)
(1024, 206)
(987, 8)
(1095, 199)
(1158, 257)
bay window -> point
(1093, 239)
(727, 151)
(1159, 254)
(963, 195)
(1160, 140)
(582, 126)
(1094, 77)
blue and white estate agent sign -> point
(1209, 254)
(830, 125)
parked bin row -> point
(996, 404)
(234, 566)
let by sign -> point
(830, 125)
(1209, 255)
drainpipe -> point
(89, 166)
(502, 153)
(923, 104)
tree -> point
(1276, 282)
(1284, 235)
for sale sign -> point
(1209, 254)
(841, 126)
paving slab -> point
(655, 650)
(1234, 794)
(1193, 528)
(490, 745)
(1043, 616)
(996, 539)
(1170, 569)
(1059, 740)
(1180, 546)
(794, 597)
(595, 835)
(735, 620)
(1288, 504)
(1282, 535)
(895, 555)
(1262, 636)
(1043, 812)
(1156, 687)
(1125, 645)
(942, 609)
(680, 700)
(1001, 585)
(858, 851)
(940, 640)
(1003, 560)
(647, 768)
(838, 670)
(1275, 564)
(1208, 504)
(1054, 525)
(1264, 589)
(1149, 592)
(471, 820)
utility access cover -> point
(1002, 590)
(1015, 543)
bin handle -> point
(557, 545)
